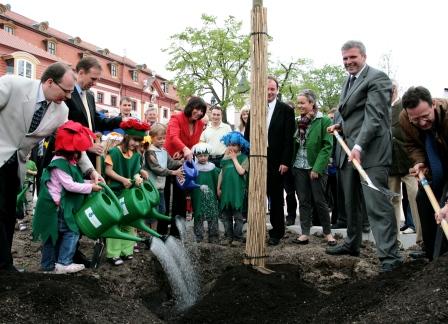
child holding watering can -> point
(62, 192)
(232, 186)
(160, 164)
(205, 203)
(123, 165)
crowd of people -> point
(395, 140)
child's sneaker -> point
(69, 268)
(237, 243)
(136, 249)
(127, 257)
(116, 261)
(22, 226)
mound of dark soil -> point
(44, 298)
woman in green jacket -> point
(313, 148)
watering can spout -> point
(115, 232)
(154, 213)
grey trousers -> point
(379, 210)
(233, 231)
(311, 195)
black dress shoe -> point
(340, 250)
(388, 267)
(289, 221)
(273, 241)
(12, 269)
(417, 255)
(338, 226)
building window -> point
(134, 105)
(113, 101)
(113, 70)
(164, 87)
(51, 48)
(99, 97)
(25, 69)
(165, 113)
(10, 66)
(8, 29)
(134, 75)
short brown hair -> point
(157, 129)
(88, 62)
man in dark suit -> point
(364, 121)
(82, 108)
(281, 127)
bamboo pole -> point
(256, 229)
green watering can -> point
(138, 204)
(100, 215)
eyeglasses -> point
(67, 91)
(418, 120)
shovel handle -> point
(433, 200)
(354, 161)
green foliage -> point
(210, 60)
(326, 81)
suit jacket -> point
(18, 96)
(280, 135)
(78, 113)
(364, 114)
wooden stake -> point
(256, 226)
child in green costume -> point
(62, 193)
(123, 164)
(204, 200)
(232, 186)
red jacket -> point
(178, 134)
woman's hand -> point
(188, 155)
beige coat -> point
(18, 98)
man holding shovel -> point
(424, 122)
(364, 122)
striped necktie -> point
(37, 116)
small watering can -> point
(100, 215)
(190, 174)
(151, 193)
(136, 206)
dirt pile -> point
(308, 286)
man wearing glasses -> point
(30, 110)
(424, 122)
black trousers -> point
(275, 194)
(176, 202)
(290, 189)
(9, 187)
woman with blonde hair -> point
(244, 115)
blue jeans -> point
(64, 249)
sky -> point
(412, 31)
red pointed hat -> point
(134, 127)
(72, 137)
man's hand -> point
(96, 177)
(314, 175)
(334, 127)
(96, 149)
(416, 169)
(355, 155)
(283, 169)
(443, 214)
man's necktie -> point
(352, 80)
(37, 116)
(86, 108)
